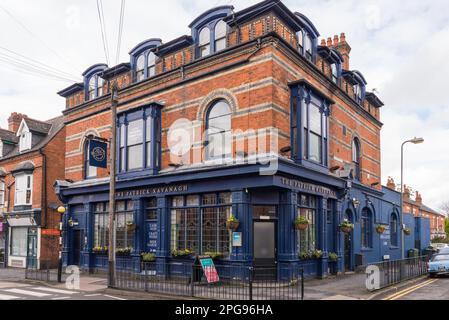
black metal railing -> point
(234, 282)
(46, 272)
(387, 273)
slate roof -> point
(6, 135)
(423, 207)
(45, 131)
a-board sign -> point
(207, 263)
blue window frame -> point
(366, 226)
(139, 136)
(309, 125)
(218, 131)
(394, 227)
(143, 59)
(93, 81)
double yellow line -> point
(407, 291)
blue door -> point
(32, 249)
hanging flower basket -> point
(407, 231)
(301, 223)
(380, 228)
(346, 226)
(233, 223)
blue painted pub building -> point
(166, 211)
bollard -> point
(251, 278)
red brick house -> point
(243, 86)
(31, 159)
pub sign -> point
(98, 152)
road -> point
(19, 291)
(428, 289)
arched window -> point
(366, 228)
(140, 68)
(218, 131)
(220, 35)
(394, 230)
(92, 87)
(358, 93)
(89, 172)
(308, 47)
(100, 84)
(204, 44)
(151, 65)
(356, 158)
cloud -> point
(401, 48)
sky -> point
(400, 47)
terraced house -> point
(250, 116)
(31, 159)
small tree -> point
(446, 227)
(445, 208)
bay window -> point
(309, 125)
(139, 135)
(24, 187)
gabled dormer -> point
(31, 132)
(335, 61)
(307, 38)
(93, 82)
(358, 83)
(143, 59)
(209, 31)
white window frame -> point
(25, 139)
(20, 200)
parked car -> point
(439, 246)
(444, 251)
(438, 265)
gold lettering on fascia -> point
(308, 187)
(151, 191)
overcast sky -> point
(401, 48)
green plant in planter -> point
(316, 254)
(333, 257)
(346, 226)
(232, 223)
(214, 255)
(407, 231)
(305, 255)
(100, 250)
(301, 223)
(148, 257)
(182, 253)
(124, 251)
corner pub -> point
(238, 73)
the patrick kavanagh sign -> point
(151, 191)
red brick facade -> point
(253, 76)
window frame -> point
(2, 193)
(394, 230)
(223, 134)
(366, 229)
(28, 188)
(213, 40)
(357, 158)
(96, 91)
(150, 113)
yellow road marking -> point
(407, 291)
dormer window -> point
(25, 140)
(95, 87)
(140, 68)
(151, 69)
(300, 35)
(204, 42)
(308, 47)
(305, 45)
(143, 59)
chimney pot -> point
(329, 42)
(323, 42)
(14, 121)
(336, 40)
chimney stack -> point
(340, 44)
(418, 198)
(406, 193)
(15, 120)
(390, 184)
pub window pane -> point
(209, 199)
(193, 200)
(140, 68)
(315, 119)
(135, 135)
(314, 147)
(135, 154)
(124, 216)
(307, 238)
(19, 238)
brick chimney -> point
(390, 184)
(418, 198)
(406, 193)
(340, 44)
(15, 120)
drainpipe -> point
(44, 188)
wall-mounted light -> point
(356, 203)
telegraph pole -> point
(112, 174)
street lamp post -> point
(61, 211)
(414, 141)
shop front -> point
(191, 216)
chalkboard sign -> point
(209, 269)
(152, 234)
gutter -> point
(44, 187)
